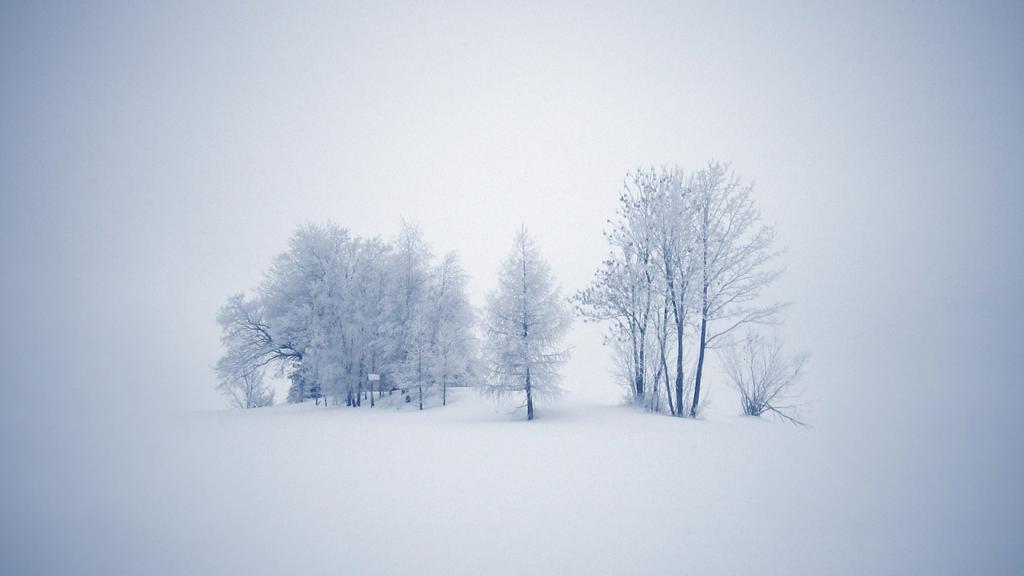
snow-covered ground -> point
(588, 488)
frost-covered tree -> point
(525, 322)
(673, 219)
(359, 315)
(371, 313)
(454, 346)
(685, 250)
(642, 287)
(410, 331)
(249, 348)
(419, 348)
(335, 308)
(732, 251)
(299, 297)
(246, 389)
(624, 290)
(246, 335)
(763, 375)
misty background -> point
(154, 159)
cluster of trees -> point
(335, 308)
(689, 257)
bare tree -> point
(685, 250)
(732, 251)
(246, 389)
(626, 288)
(249, 344)
(673, 232)
(763, 376)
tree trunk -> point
(444, 390)
(526, 335)
(640, 387)
(679, 371)
(700, 364)
(529, 396)
(662, 362)
(703, 314)
(421, 395)
(637, 379)
(668, 386)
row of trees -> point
(335, 308)
(689, 258)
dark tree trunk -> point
(679, 372)
(703, 314)
(637, 378)
(529, 396)
(444, 390)
(700, 364)
(668, 386)
(421, 396)
(640, 387)
(526, 335)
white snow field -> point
(474, 489)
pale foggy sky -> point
(153, 160)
